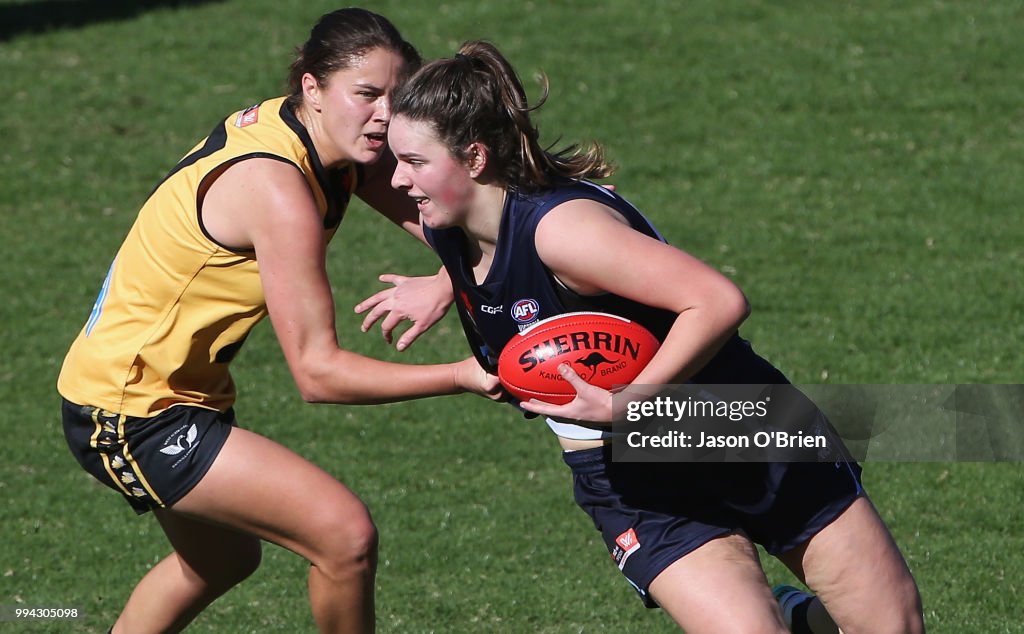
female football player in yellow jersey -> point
(237, 231)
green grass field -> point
(854, 167)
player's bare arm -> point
(606, 255)
(271, 199)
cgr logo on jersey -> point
(525, 311)
(248, 116)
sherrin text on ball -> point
(605, 350)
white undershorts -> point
(578, 432)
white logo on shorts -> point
(179, 442)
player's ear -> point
(477, 155)
(311, 91)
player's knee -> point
(348, 547)
(733, 614)
(900, 613)
(910, 610)
(727, 621)
(756, 625)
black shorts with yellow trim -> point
(153, 462)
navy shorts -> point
(152, 462)
(653, 514)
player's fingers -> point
(494, 390)
(533, 406)
(390, 323)
(543, 408)
(392, 320)
(570, 375)
(374, 300)
(409, 336)
(378, 311)
(392, 278)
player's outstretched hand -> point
(473, 378)
(423, 301)
(592, 404)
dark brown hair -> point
(338, 40)
(477, 97)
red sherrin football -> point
(605, 350)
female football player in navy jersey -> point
(513, 222)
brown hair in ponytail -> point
(477, 97)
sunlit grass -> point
(855, 168)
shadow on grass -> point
(39, 16)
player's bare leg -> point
(691, 590)
(264, 489)
(855, 568)
(207, 561)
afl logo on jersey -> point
(525, 310)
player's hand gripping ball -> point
(605, 350)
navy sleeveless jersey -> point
(519, 290)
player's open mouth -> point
(376, 140)
(421, 201)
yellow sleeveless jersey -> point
(176, 306)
